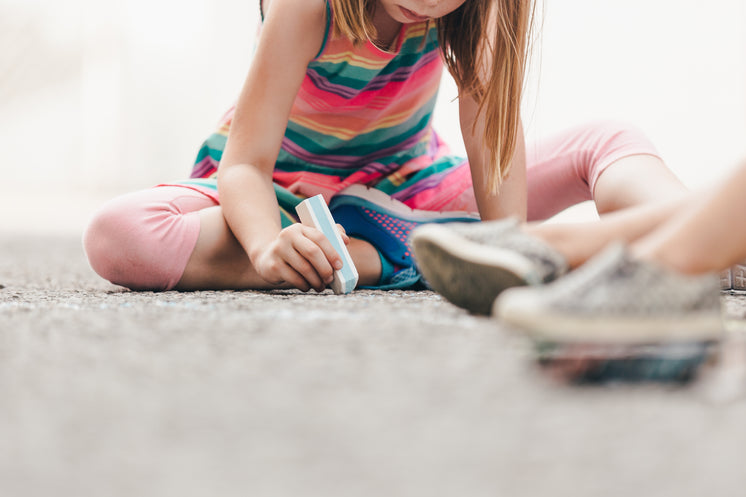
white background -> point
(102, 97)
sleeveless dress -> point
(362, 116)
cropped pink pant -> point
(143, 240)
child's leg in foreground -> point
(662, 291)
(692, 233)
(578, 242)
(708, 235)
(176, 238)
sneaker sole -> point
(468, 274)
(560, 328)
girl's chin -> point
(408, 17)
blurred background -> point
(101, 97)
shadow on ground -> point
(105, 392)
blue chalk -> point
(314, 212)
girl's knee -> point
(108, 242)
(125, 244)
(144, 240)
(613, 141)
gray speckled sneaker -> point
(614, 298)
(471, 263)
(726, 280)
(738, 278)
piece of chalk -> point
(314, 212)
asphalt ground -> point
(106, 392)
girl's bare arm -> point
(511, 199)
(292, 34)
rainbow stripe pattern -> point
(363, 116)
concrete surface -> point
(105, 392)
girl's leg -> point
(219, 262)
(613, 164)
(176, 238)
(635, 180)
(708, 235)
(143, 240)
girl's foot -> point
(387, 224)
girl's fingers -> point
(305, 268)
(290, 275)
(310, 255)
(332, 259)
(313, 254)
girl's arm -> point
(511, 199)
(506, 32)
(292, 34)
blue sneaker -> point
(387, 224)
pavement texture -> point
(106, 392)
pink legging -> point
(143, 240)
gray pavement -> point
(105, 392)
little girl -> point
(339, 97)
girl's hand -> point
(301, 256)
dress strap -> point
(327, 28)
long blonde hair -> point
(492, 71)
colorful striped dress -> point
(362, 116)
